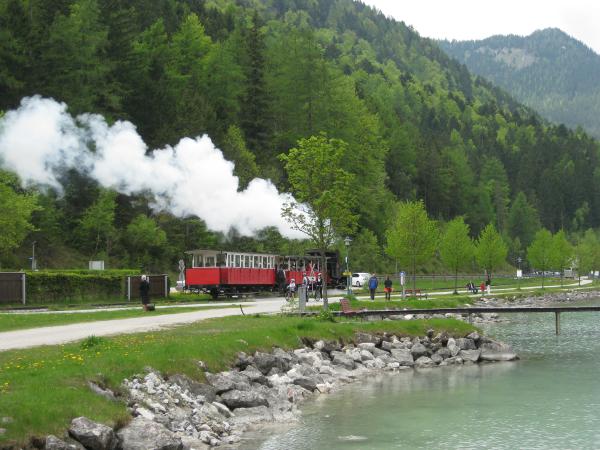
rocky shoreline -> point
(544, 300)
(181, 414)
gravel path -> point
(61, 334)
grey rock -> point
(455, 360)
(94, 436)
(205, 390)
(488, 355)
(243, 360)
(223, 410)
(419, 350)
(243, 399)
(424, 362)
(106, 393)
(403, 356)
(377, 352)
(436, 358)
(254, 375)
(466, 344)
(307, 383)
(253, 415)
(228, 381)
(387, 345)
(474, 336)
(360, 338)
(142, 434)
(470, 355)
(54, 443)
(190, 443)
(341, 359)
(443, 353)
(368, 346)
(266, 362)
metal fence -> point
(159, 286)
(13, 287)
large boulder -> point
(243, 399)
(54, 443)
(403, 356)
(307, 383)
(142, 434)
(228, 381)
(328, 346)
(265, 362)
(93, 436)
(424, 362)
(470, 355)
(419, 350)
(254, 375)
(341, 359)
(205, 390)
(466, 344)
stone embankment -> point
(539, 300)
(180, 414)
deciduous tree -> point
(456, 247)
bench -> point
(347, 310)
(416, 293)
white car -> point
(360, 279)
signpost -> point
(402, 277)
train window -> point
(257, 262)
(265, 260)
(246, 261)
(230, 260)
(209, 261)
(238, 261)
(221, 258)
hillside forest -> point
(257, 77)
(550, 71)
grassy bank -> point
(11, 322)
(42, 389)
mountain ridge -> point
(548, 70)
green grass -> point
(42, 389)
(447, 282)
(453, 302)
(11, 322)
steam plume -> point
(192, 178)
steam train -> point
(230, 273)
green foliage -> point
(15, 214)
(145, 241)
(587, 253)
(97, 224)
(412, 237)
(456, 247)
(562, 253)
(64, 286)
(490, 250)
(92, 341)
(540, 251)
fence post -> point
(128, 288)
(166, 286)
(24, 288)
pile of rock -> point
(179, 413)
(473, 318)
(539, 300)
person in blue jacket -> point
(373, 282)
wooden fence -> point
(159, 286)
(13, 287)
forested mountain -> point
(257, 76)
(549, 70)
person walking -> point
(145, 292)
(373, 283)
(387, 287)
(291, 290)
(482, 288)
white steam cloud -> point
(192, 178)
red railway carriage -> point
(230, 273)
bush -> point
(75, 285)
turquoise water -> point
(550, 399)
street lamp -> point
(347, 241)
(519, 273)
(33, 264)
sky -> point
(478, 19)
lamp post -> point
(347, 241)
(33, 264)
(519, 273)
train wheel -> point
(214, 292)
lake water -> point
(550, 399)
